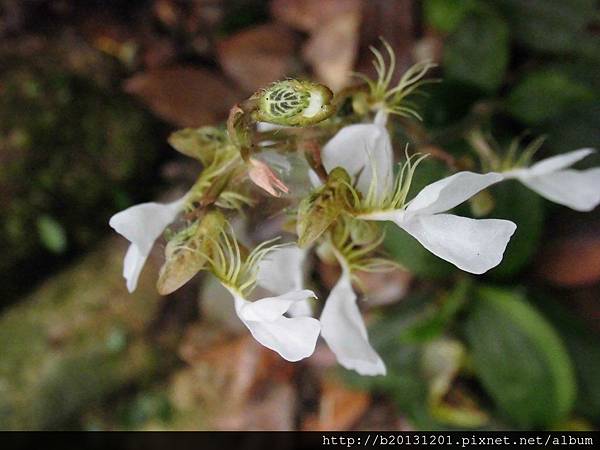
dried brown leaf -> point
(383, 415)
(571, 261)
(167, 11)
(239, 383)
(332, 49)
(185, 96)
(158, 52)
(339, 409)
(273, 410)
(258, 56)
(383, 288)
(397, 22)
(308, 15)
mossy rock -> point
(77, 339)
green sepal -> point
(322, 207)
(199, 143)
(186, 252)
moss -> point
(72, 153)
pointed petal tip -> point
(472, 245)
(344, 331)
(365, 368)
(557, 162)
(131, 285)
(502, 240)
(575, 189)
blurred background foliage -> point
(88, 94)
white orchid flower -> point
(344, 330)
(551, 178)
(141, 225)
(282, 270)
(472, 245)
(294, 338)
(342, 326)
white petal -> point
(132, 266)
(301, 309)
(363, 150)
(142, 224)
(281, 270)
(558, 162)
(270, 308)
(451, 191)
(344, 331)
(576, 189)
(473, 245)
(381, 118)
(293, 338)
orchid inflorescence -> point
(348, 167)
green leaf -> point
(525, 208)
(477, 52)
(52, 234)
(412, 379)
(436, 318)
(519, 358)
(446, 15)
(553, 26)
(544, 94)
(447, 103)
(575, 129)
(582, 344)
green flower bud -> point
(294, 103)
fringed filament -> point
(394, 97)
(230, 266)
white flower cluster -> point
(359, 162)
(365, 152)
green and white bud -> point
(294, 103)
